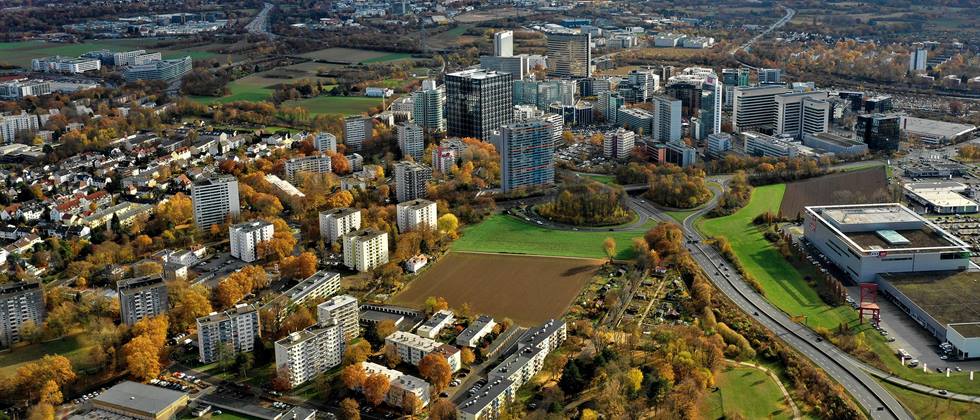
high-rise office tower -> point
(770, 76)
(428, 102)
(503, 44)
(515, 65)
(411, 140)
(20, 302)
(477, 102)
(527, 154)
(142, 297)
(609, 104)
(754, 108)
(411, 179)
(618, 144)
(357, 130)
(802, 113)
(215, 199)
(666, 125)
(569, 54)
(879, 131)
(918, 59)
(235, 329)
(729, 78)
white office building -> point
(515, 65)
(343, 310)
(432, 326)
(666, 125)
(719, 144)
(59, 64)
(761, 145)
(365, 249)
(801, 113)
(416, 214)
(306, 354)
(234, 331)
(503, 44)
(618, 144)
(338, 222)
(411, 140)
(17, 89)
(215, 199)
(246, 237)
(755, 107)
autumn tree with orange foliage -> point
(353, 376)
(282, 242)
(436, 370)
(142, 358)
(31, 381)
(376, 388)
(298, 267)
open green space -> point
(71, 347)
(783, 283)
(21, 53)
(748, 392)
(604, 179)
(929, 407)
(679, 215)
(336, 104)
(240, 91)
(508, 235)
(388, 57)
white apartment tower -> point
(338, 222)
(503, 44)
(11, 125)
(20, 302)
(411, 140)
(918, 59)
(343, 310)
(306, 354)
(236, 328)
(319, 164)
(142, 297)
(416, 214)
(325, 142)
(214, 200)
(357, 130)
(246, 237)
(411, 180)
(365, 249)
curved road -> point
(868, 393)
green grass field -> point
(337, 104)
(746, 391)
(509, 235)
(388, 57)
(783, 283)
(239, 92)
(71, 347)
(929, 407)
(21, 53)
(605, 179)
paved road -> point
(260, 24)
(868, 393)
(779, 23)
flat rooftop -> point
(838, 140)
(918, 238)
(950, 298)
(885, 226)
(858, 215)
(140, 397)
(934, 128)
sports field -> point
(748, 392)
(784, 285)
(504, 234)
(337, 104)
(528, 290)
(21, 53)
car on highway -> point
(943, 392)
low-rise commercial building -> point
(832, 143)
(141, 401)
(865, 240)
(59, 64)
(479, 328)
(944, 197)
(435, 323)
(758, 144)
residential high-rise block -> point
(215, 199)
(318, 164)
(754, 108)
(918, 59)
(443, 159)
(20, 302)
(527, 154)
(246, 237)
(618, 144)
(569, 54)
(338, 222)
(503, 44)
(477, 102)
(357, 130)
(428, 102)
(142, 297)
(411, 180)
(325, 142)
(411, 140)
(343, 310)
(23, 124)
(234, 330)
(365, 249)
(416, 214)
(306, 354)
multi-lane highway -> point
(779, 23)
(868, 393)
(260, 24)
